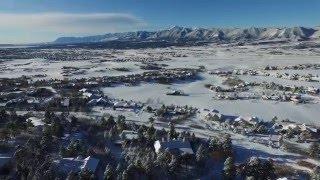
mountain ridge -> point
(184, 34)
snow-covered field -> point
(211, 57)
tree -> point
(72, 176)
(85, 175)
(121, 122)
(3, 115)
(108, 173)
(268, 169)
(314, 150)
(109, 123)
(229, 170)
(125, 175)
(252, 168)
(48, 117)
(149, 109)
(227, 144)
(151, 120)
(274, 119)
(174, 165)
(172, 133)
(74, 121)
(213, 144)
(57, 129)
(163, 158)
(150, 132)
(316, 173)
(201, 155)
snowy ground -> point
(212, 58)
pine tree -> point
(229, 170)
(125, 175)
(108, 173)
(72, 176)
(172, 132)
(227, 144)
(314, 150)
(201, 155)
(316, 173)
(174, 165)
(268, 169)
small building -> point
(98, 102)
(65, 165)
(182, 147)
(5, 162)
(37, 122)
(90, 164)
(246, 120)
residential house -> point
(182, 147)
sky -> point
(30, 21)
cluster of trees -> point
(258, 169)
(33, 161)
(165, 111)
(223, 145)
(11, 123)
(75, 148)
(314, 150)
(144, 163)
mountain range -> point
(183, 34)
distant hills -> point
(223, 35)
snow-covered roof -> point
(77, 164)
(247, 119)
(36, 121)
(184, 147)
(87, 94)
(129, 135)
(69, 164)
(4, 160)
(90, 164)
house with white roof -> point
(247, 120)
(90, 164)
(182, 147)
(65, 165)
(36, 121)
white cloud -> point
(70, 23)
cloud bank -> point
(70, 23)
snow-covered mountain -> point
(182, 34)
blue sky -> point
(24, 21)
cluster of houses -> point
(293, 67)
(174, 113)
(264, 72)
(268, 133)
(297, 77)
(43, 98)
(238, 89)
(285, 97)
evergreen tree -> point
(85, 175)
(174, 165)
(108, 173)
(201, 155)
(172, 133)
(227, 144)
(125, 175)
(316, 173)
(268, 169)
(314, 150)
(229, 170)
